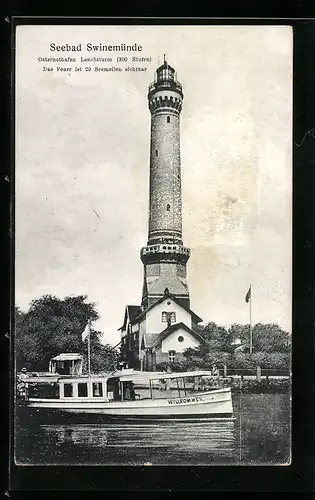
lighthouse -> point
(163, 326)
(165, 257)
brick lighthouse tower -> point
(165, 257)
(163, 326)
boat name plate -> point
(195, 399)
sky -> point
(82, 169)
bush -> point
(276, 361)
(259, 386)
(197, 364)
(218, 358)
(176, 366)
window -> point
(168, 119)
(156, 153)
(44, 390)
(113, 389)
(180, 338)
(171, 356)
(82, 390)
(168, 317)
(164, 316)
(68, 390)
(168, 207)
(97, 389)
(173, 317)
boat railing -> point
(183, 383)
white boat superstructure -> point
(127, 394)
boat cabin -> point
(89, 387)
(68, 363)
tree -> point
(271, 347)
(270, 338)
(266, 360)
(240, 332)
(266, 337)
(103, 357)
(198, 358)
(53, 325)
(217, 337)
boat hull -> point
(212, 404)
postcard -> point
(153, 242)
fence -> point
(257, 373)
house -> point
(239, 346)
(159, 333)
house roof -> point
(236, 342)
(66, 356)
(132, 312)
(240, 347)
(150, 338)
(170, 329)
(167, 294)
(159, 285)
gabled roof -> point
(67, 356)
(172, 328)
(159, 285)
(150, 338)
(240, 347)
(131, 312)
(167, 294)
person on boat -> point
(129, 392)
(23, 374)
(132, 392)
(22, 385)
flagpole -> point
(250, 323)
(89, 349)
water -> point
(260, 435)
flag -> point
(86, 333)
(249, 294)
